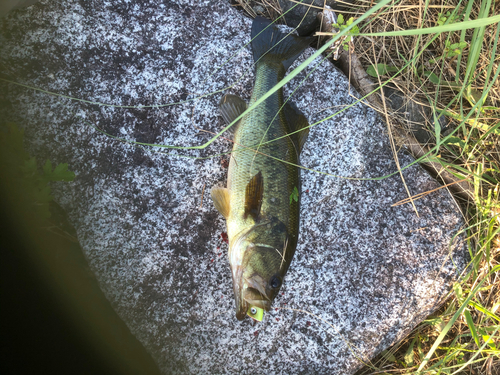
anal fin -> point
(253, 196)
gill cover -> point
(259, 261)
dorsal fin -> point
(253, 196)
(221, 196)
(231, 106)
(296, 121)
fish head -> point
(258, 263)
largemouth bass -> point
(261, 201)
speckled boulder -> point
(144, 217)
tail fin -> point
(269, 41)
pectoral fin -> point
(231, 106)
(297, 121)
(221, 196)
(253, 196)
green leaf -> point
(295, 195)
(472, 327)
(473, 96)
(47, 168)
(442, 18)
(460, 45)
(419, 349)
(437, 128)
(454, 141)
(382, 69)
(458, 292)
(432, 77)
(488, 340)
(408, 358)
(484, 311)
(61, 173)
(340, 19)
(388, 356)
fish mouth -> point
(247, 299)
(249, 291)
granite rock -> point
(145, 221)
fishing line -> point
(147, 106)
(279, 85)
(142, 145)
(264, 97)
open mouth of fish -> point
(252, 298)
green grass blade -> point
(472, 327)
(476, 44)
(483, 22)
(452, 321)
(480, 308)
(476, 353)
(462, 38)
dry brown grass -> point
(451, 83)
(477, 157)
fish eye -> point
(275, 282)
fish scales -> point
(261, 211)
(248, 158)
